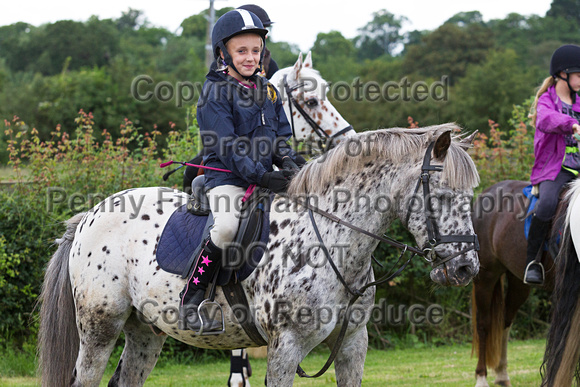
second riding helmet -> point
(258, 11)
(232, 23)
(566, 59)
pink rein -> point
(168, 163)
(248, 191)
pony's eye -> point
(312, 102)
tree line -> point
(48, 73)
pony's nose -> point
(465, 273)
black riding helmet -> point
(232, 23)
(259, 12)
(566, 59)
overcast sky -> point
(296, 21)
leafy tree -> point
(490, 90)
(566, 9)
(334, 56)
(449, 50)
(196, 25)
(381, 36)
(465, 18)
(13, 45)
(130, 20)
(285, 54)
(48, 48)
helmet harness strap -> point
(572, 92)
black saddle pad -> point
(183, 234)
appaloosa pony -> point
(104, 279)
(498, 219)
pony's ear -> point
(467, 142)
(442, 144)
(295, 72)
(308, 60)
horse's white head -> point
(311, 115)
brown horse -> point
(498, 219)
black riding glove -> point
(275, 181)
(300, 161)
(289, 164)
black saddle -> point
(181, 238)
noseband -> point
(434, 237)
(325, 141)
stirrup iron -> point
(208, 306)
(542, 270)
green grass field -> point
(447, 366)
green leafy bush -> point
(66, 175)
(505, 154)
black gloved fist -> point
(275, 181)
(300, 161)
(289, 164)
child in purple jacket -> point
(556, 112)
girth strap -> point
(235, 296)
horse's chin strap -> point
(325, 141)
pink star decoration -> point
(200, 270)
(206, 260)
(195, 280)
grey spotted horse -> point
(103, 279)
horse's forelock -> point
(395, 145)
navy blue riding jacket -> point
(242, 130)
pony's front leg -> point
(350, 360)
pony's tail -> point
(493, 340)
(58, 339)
(560, 363)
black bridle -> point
(325, 141)
(434, 239)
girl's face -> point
(245, 51)
(574, 80)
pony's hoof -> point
(481, 381)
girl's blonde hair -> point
(543, 88)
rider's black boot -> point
(206, 266)
(534, 274)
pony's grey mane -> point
(572, 195)
(397, 145)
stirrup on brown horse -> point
(539, 229)
(534, 274)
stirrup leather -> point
(542, 271)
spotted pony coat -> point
(117, 285)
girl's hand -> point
(576, 129)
